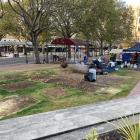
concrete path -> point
(26, 67)
(21, 60)
(65, 120)
(136, 90)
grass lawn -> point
(36, 91)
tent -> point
(10, 43)
(69, 42)
(13, 43)
(135, 48)
(116, 51)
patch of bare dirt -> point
(40, 77)
(54, 92)
(72, 83)
(70, 74)
(68, 78)
(17, 85)
(102, 81)
(13, 104)
(67, 72)
(109, 80)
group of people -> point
(57, 58)
(99, 66)
(109, 63)
(125, 59)
(132, 59)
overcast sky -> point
(133, 2)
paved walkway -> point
(136, 90)
(65, 120)
(26, 67)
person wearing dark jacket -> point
(138, 60)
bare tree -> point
(35, 16)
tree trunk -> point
(101, 47)
(69, 52)
(35, 46)
(95, 51)
(0, 54)
(110, 45)
(87, 49)
(47, 54)
(68, 46)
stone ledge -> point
(66, 120)
(104, 130)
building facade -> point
(136, 32)
(136, 28)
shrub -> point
(64, 64)
(92, 135)
(129, 130)
(126, 129)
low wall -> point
(71, 123)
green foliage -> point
(4, 93)
(64, 64)
(106, 21)
(128, 130)
(92, 135)
(34, 18)
(64, 16)
(9, 24)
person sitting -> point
(97, 63)
(98, 66)
(91, 74)
(104, 68)
(105, 59)
(112, 66)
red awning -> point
(69, 41)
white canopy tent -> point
(116, 51)
(13, 43)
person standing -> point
(138, 60)
(85, 59)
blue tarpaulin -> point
(136, 48)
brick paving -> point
(135, 90)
